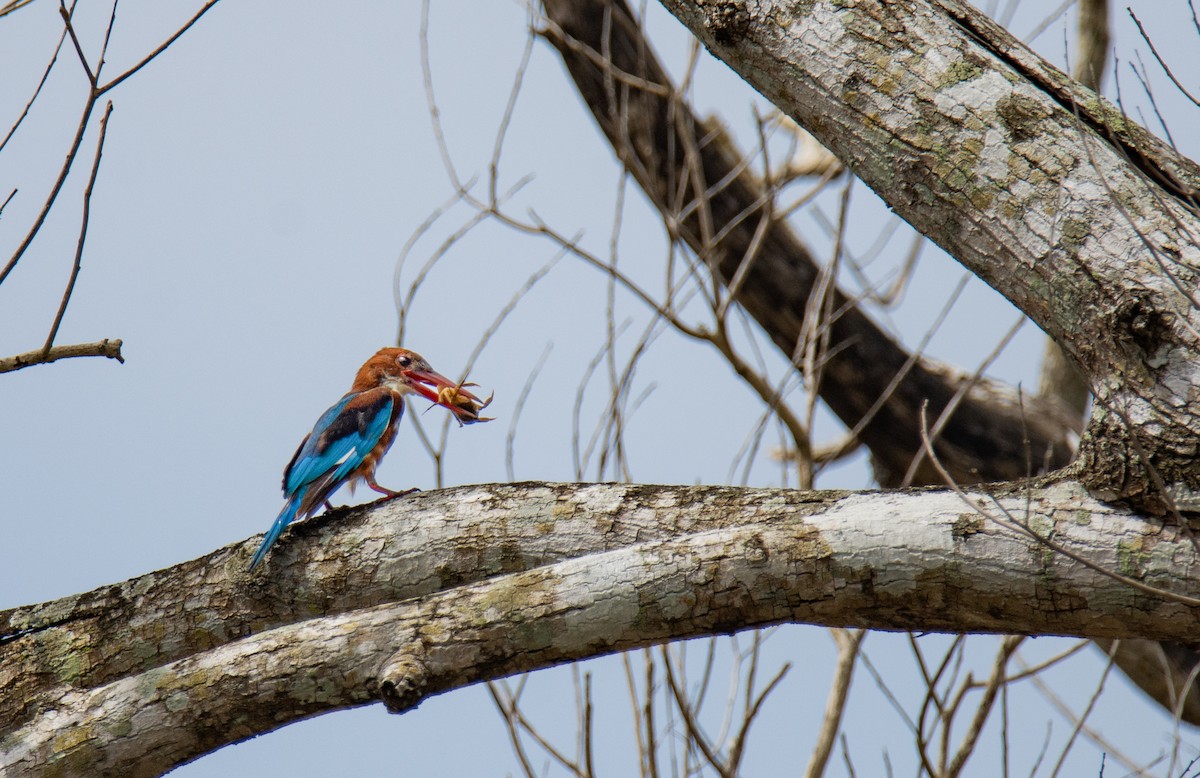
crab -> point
(463, 404)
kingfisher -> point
(349, 440)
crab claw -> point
(439, 390)
(464, 405)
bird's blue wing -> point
(339, 442)
(300, 470)
(342, 438)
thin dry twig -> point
(83, 228)
(41, 82)
(505, 703)
(995, 682)
(95, 92)
(933, 696)
(431, 105)
(692, 726)
(510, 707)
(913, 359)
(146, 60)
(13, 5)
(105, 348)
(635, 702)
(738, 749)
(518, 407)
(651, 752)
(1162, 62)
(848, 642)
(944, 417)
(587, 729)
(1091, 734)
(1081, 720)
(53, 195)
(1038, 668)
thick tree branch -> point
(1059, 376)
(1076, 215)
(405, 599)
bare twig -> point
(648, 718)
(634, 702)
(944, 417)
(83, 228)
(1105, 745)
(587, 729)
(13, 5)
(1166, 68)
(1081, 720)
(888, 694)
(41, 83)
(994, 684)
(105, 348)
(66, 17)
(1033, 670)
(850, 763)
(506, 703)
(431, 105)
(694, 732)
(510, 707)
(848, 642)
(738, 749)
(933, 696)
(95, 93)
(54, 190)
(911, 362)
(518, 407)
(160, 49)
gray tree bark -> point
(404, 599)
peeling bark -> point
(405, 599)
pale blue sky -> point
(257, 187)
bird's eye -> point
(404, 361)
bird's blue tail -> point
(285, 518)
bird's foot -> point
(389, 493)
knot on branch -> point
(403, 678)
(1148, 327)
(726, 20)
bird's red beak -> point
(439, 390)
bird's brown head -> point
(407, 372)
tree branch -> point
(87, 209)
(404, 599)
(105, 348)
